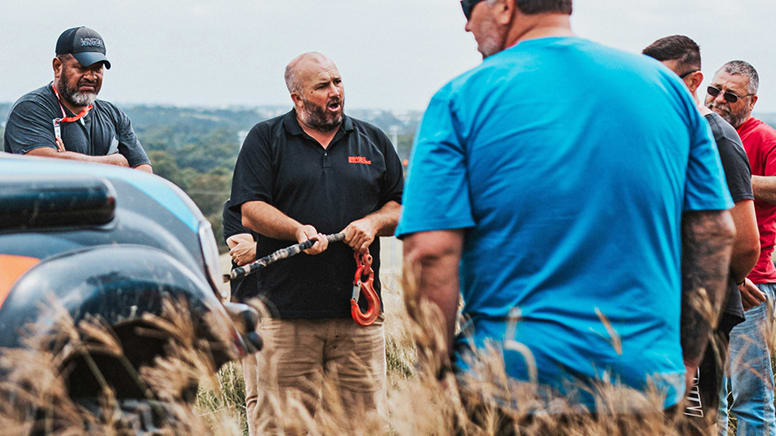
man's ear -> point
(56, 65)
(298, 103)
(696, 79)
(504, 11)
(754, 100)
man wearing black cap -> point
(65, 120)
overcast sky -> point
(392, 53)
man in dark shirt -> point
(242, 250)
(682, 55)
(65, 120)
(310, 172)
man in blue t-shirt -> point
(573, 194)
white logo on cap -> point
(91, 42)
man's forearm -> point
(433, 259)
(146, 168)
(741, 266)
(267, 220)
(746, 249)
(111, 159)
(707, 239)
(386, 218)
(764, 188)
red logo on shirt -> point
(359, 160)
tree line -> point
(196, 148)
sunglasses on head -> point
(467, 6)
(728, 96)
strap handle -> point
(283, 253)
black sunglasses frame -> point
(468, 6)
(729, 96)
(683, 75)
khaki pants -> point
(303, 358)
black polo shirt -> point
(738, 175)
(327, 188)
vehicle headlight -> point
(207, 242)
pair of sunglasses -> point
(728, 96)
(467, 6)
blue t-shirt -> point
(569, 164)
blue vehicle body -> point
(108, 243)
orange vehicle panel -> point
(11, 268)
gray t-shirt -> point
(104, 130)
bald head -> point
(304, 68)
(316, 90)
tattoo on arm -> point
(707, 239)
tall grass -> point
(418, 401)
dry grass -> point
(417, 402)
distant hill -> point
(196, 148)
(769, 118)
(187, 123)
(181, 125)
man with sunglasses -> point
(65, 120)
(567, 217)
(733, 94)
(683, 56)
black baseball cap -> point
(86, 46)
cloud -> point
(392, 54)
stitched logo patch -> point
(359, 160)
(91, 42)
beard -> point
(492, 39)
(71, 94)
(734, 118)
(319, 118)
(490, 46)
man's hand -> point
(242, 248)
(144, 168)
(360, 234)
(117, 159)
(60, 153)
(751, 295)
(691, 370)
(306, 232)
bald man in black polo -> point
(310, 172)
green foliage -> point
(228, 395)
(197, 148)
